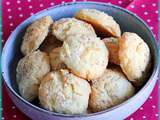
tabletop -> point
(16, 11)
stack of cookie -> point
(65, 63)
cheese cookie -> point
(30, 71)
(134, 55)
(86, 56)
(71, 26)
(35, 34)
(113, 48)
(111, 89)
(63, 92)
(103, 24)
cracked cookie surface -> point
(63, 92)
(110, 89)
(35, 34)
(30, 71)
(134, 55)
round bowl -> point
(128, 22)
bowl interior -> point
(128, 22)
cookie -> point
(50, 43)
(113, 48)
(134, 55)
(35, 34)
(56, 63)
(30, 71)
(63, 92)
(111, 89)
(86, 56)
(103, 24)
(70, 26)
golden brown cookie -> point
(71, 26)
(86, 56)
(63, 92)
(56, 63)
(30, 71)
(111, 89)
(103, 24)
(35, 34)
(134, 55)
(113, 48)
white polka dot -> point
(63, 2)
(131, 119)
(148, 20)
(156, 115)
(141, 108)
(41, 5)
(143, 5)
(144, 117)
(2, 118)
(151, 27)
(18, 1)
(9, 10)
(84, 0)
(11, 24)
(145, 13)
(153, 106)
(153, 4)
(51, 3)
(73, 0)
(13, 107)
(10, 17)
(14, 116)
(154, 35)
(109, 3)
(31, 13)
(132, 6)
(150, 97)
(29, 0)
(156, 11)
(19, 8)
(20, 15)
(30, 7)
(7, 3)
(120, 2)
(2, 42)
